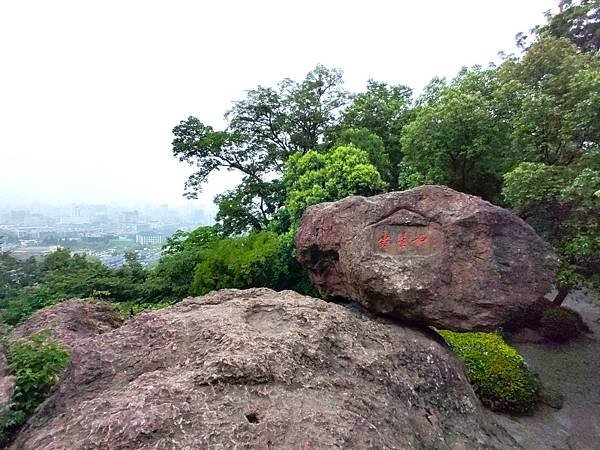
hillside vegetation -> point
(524, 134)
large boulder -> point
(260, 369)
(72, 321)
(430, 255)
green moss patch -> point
(497, 372)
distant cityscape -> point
(101, 231)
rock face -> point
(430, 255)
(71, 321)
(260, 369)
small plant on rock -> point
(36, 364)
(498, 373)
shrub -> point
(497, 372)
(560, 324)
(261, 259)
(36, 363)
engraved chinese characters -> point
(407, 240)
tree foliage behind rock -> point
(262, 259)
(320, 177)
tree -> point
(182, 241)
(577, 21)
(171, 279)
(370, 143)
(460, 137)
(249, 206)
(383, 110)
(563, 205)
(262, 259)
(557, 131)
(11, 275)
(318, 177)
(558, 117)
(58, 276)
(263, 131)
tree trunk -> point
(560, 296)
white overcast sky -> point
(90, 90)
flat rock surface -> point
(430, 255)
(260, 369)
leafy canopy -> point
(263, 131)
(563, 204)
(318, 177)
(460, 136)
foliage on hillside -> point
(260, 259)
(524, 134)
(36, 283)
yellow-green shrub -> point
(497, 372)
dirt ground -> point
(572, 369)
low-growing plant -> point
(498, 373)
(36, 363)
(560, 324)
(101, 295)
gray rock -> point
(430, 255)
(551, 397)
(260, 369)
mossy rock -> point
(561, 324)
(498, 373)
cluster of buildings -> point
(101, 231)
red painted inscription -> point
(384, 240)
(407, 240)
(420, 239)
(402, 240)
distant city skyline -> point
(102, 231)
(90, 92)
(7, 204)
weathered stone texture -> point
(430, 255)
(260, 369)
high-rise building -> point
(149, 238)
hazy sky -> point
(89, 91)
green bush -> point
(497, 372)
(262, 259)
(36, 364)
(560, 324)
